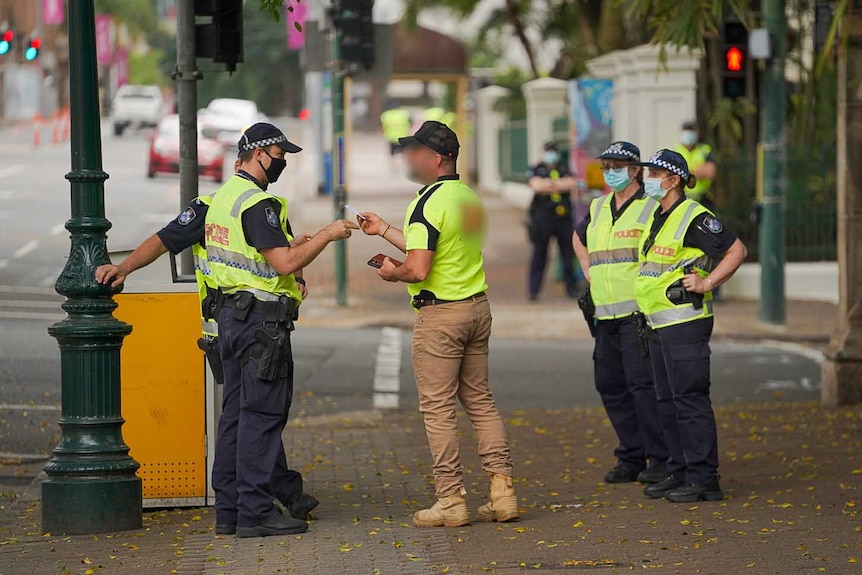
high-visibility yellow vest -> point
(202, 275)
(613, 248)
(695, 158)
(665, 263)
(235, 265)
(433, 114)
(395, 124)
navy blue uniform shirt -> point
(187, 228)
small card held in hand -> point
(377, 261)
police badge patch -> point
(186, 217)
(713, 224)
(272, 218)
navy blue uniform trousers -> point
(680, 360)
(544, 225)
(625, 383)
(250, 467)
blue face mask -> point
(551, 157)
(617, 179)
(688, 138)
(653, 189)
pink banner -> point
(104, 50)
(296, 38)
(52, 12)
(121, 67)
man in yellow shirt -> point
(701, 161)
(443, 236)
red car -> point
(165, 152)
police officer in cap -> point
(253, 264)
(551, 217)
(606, 244)
(684, 254)
(187, 231)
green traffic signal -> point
(6, 41)
(32, 51)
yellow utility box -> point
(168, 396)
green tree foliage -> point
(142, 22)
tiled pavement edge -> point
(792, 473)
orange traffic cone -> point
(37, 130)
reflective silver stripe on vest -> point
(686, 221)
(649, 208)
(617, 256)
(240, 262)
(202, 265)
(678, 314)
(257, 293)
(616, 309)
(655, 269)
(209, 328)
(237, 205)
(597, 209)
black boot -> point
(621, 474)
(225, 528)
(653, 474)
(660, 489)
(278, 525)
(693, 492)
(300, 504)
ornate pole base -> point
(92, 486)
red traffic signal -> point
(6, 41)
(33, 47)
(734, 59)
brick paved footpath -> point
(792, 473)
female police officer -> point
(685, 255)
(606, 243)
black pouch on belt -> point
(678, 295)
(271, 343)
(209, 346)
(242, 304)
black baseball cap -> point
(669, 160)
(689, 125)
(621, 151)
(262, 135)
(435, 135)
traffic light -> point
(355, 27)
(221, 39)
(6, 37)
(735, 59)
(31, 52)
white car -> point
(225, 119)
(137, 106)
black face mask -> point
(275, 168)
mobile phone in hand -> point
(377, 261)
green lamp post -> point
(91, 486)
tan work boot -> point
(503, 504)
(448, 511)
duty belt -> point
(281, 311)
(419, 302)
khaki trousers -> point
(450, 360)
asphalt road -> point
(335, 371)
(335, 368)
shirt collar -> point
(445, 178)
(246, 176)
